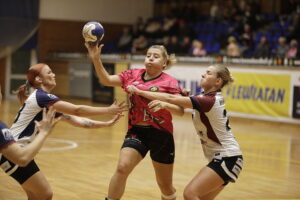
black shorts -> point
(228, 168)
(20, 174)
(147, 138)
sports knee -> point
(188, 194)
(47, 195)
(123, 169)
(169, 197)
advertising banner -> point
(261, 94)
(296, 102)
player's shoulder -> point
(2, 125)
(132, 72)
(168, 76)
(137, 70)
(43, 94)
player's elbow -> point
(105, 81)
(102, 82)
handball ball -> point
(92, 32)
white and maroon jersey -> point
(6, 137)
(212, 125)
(139, 110)
(23, 128)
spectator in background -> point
(139, 45)
(153, 29)
(198, 49)
(282, 48)
(175, 10)
(246, 39)
(292, 6)
(233, 49)
(125, 40)
(293, 51)
(183, 29)
(255, 7)
(215, 11)
(138, 27)
(294, 28)
(174, 46)
(262, 50)
(232, 9)
(249, 16)
(169, 25)
(185, 46)
(189, 13)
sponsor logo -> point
(153, 89)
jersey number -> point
(227, 122)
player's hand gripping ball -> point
(93, 33)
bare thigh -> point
(164, 173)
(206, 184)
(164, 179)
(37, 186)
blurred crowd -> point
(233, 28)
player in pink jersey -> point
(147, 130)
(212, 125)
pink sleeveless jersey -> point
(139, 110)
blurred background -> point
(249, 35)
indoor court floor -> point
(79, 163)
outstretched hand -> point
(118, 108)
(94, 50)
(115, 119)
(131, 89)
(185, 92)
(48, 121)
(157, 105)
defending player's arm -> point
(182, 101)
(104, 77)
(83, 110)
(23, 155)
(83, 122)
(157, 105)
